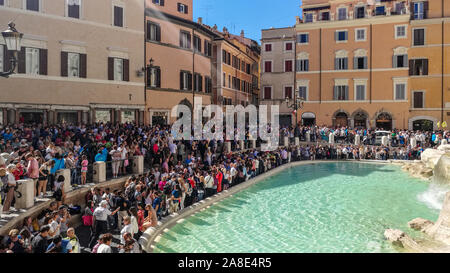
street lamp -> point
(13, 40)
(298, 103)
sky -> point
(249, 15)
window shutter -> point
(181, 39)
(158, 77)
(21, 61)
(346, 93)
(195, 82)
(411, 67)
(158, 33)
(189, 81)
(394, 61)
(425, 9)
(186, 9)
(422, 36)
(6, 58)
(425, 67)
(335, 97)
(200, 83)
(336, 64)
(365, 62)
(181, 80)
(189, 40)
(336, 36)
(345, 63)
(306, 65)
(126, 70)
(43, 68)
(346, 35)
(110, 69)
(200, 45)
(83, 65)
(205, 46)
(64, 64)
(161, 3)
(405, 60)
(355, 63)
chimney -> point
(242, 34)
(200, 20)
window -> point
(308, 17)
(268, 93)
(118, 16)
(288, 66)
(73, 65)
(341, 63)
(268, 47)
(303, 38)
(419, 10)
(185, 39)
(118, 69)
(2, 61)
(400, 32)
(32, 61)
(2, 3)
(197, 44)
(418, 67)
(360, 63)
(380, 10)
(73, 8)
(342, 14)
(154, 77)
(302, 92)
(288, 46)
(208, 85)
(224, 80)
(158, 2)
(288, 92)
(341, 92)
(185, 80)
(341, 36)
(198, 82)
(419, 37)
(360, 12)
(153, 32)
(400, 91)
(400, 61)
(325, 16)
(267, 66)
(418, 99)
(302, 65)
(360, 34)
(229, 81)
(360, 92)
(32, 5)
(208, 48)
(400, 8)
(182, 8)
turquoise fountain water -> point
(331, 207)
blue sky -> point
(249, 15)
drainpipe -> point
(295, 79)
(145, 63)
(193, 76)
(320, 66)
(371, 61)
(442, 62)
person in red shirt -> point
(219, 177)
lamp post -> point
(13, 40)
(298, 103)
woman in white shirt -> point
(105, 246)
(133, 220)
(127, 228)
(11, 181)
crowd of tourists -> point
(178, 174)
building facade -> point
(81, 62)
(181, 51)
(236, 59)
(278, 70)
(372, 64)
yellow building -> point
(429, 63)
(371, 64)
